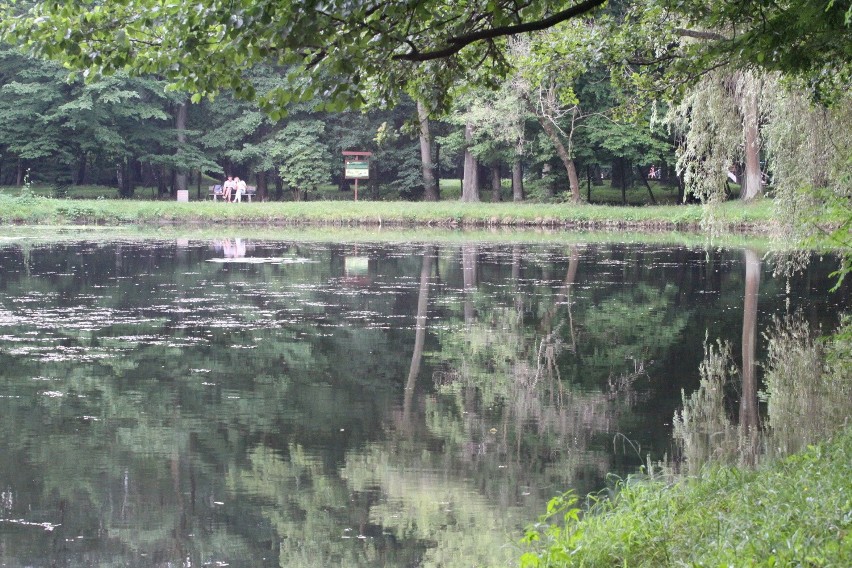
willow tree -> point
(809, 150)
(686, 50)
(716, 124)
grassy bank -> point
(36, 210)
(602, 193)
(795, 513)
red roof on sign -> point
(350, 153)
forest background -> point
(682, 100)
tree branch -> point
(700, 34)
(456, 44)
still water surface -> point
(268, 403)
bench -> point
(215, 191)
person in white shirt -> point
(241, 188)
(227, 188)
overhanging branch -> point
(696, 34)
(456, 44)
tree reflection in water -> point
(808, 390)
(360, 404)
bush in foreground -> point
(797, 512)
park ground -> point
(93, 205)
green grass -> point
(797, 512)
(603, 194)
(21, 208)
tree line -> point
(548, 94)
(128, 131)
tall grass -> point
(796, 513)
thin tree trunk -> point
(517, 179)
(429, 182)
(470, 179)
(496, 183)
(589, 184)
(574, 181)
(180, 126)
(262, 186)
(546, 171)
(564, 156)
(437, 165)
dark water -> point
(272, 403)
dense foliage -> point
(792, 514)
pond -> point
(284, 403)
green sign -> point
(357, 170)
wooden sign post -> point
(356, 165)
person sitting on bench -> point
(241, 188)
(227, 188)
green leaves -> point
(345, 49)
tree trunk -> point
(430, 184)
(470, 179)
(574, 181)
(180, 126)
(546, 170)
(517, 179)
(262, 186)
(374, 179)
(621, 168)
(751, 182)
(589, 184)
(496, 183)
(82, 164)
(20, 177)
(437, 165)
(570, 169)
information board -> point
(357, 170)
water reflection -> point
(267, 403)
(806, 390)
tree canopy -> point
(350, 51)
(339, 49)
